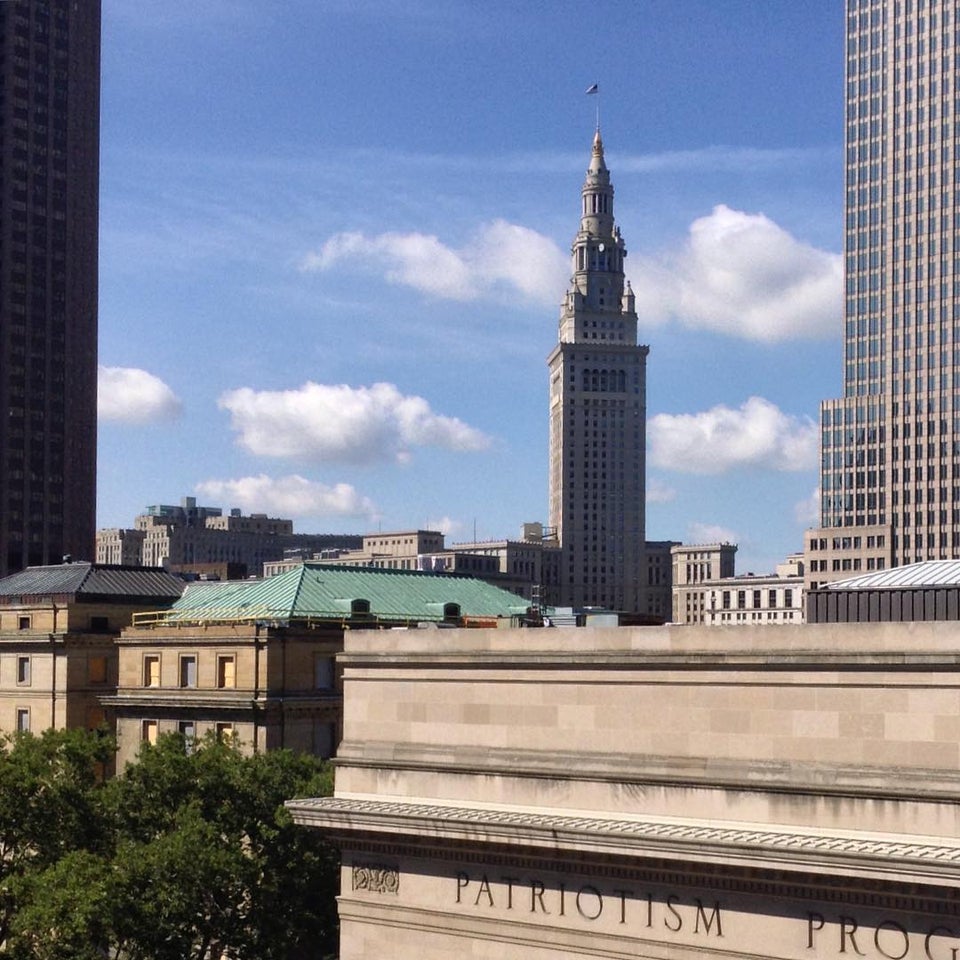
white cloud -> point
(291, 496)
(659, 492)
(807, 511)
(130, 395)
(741, 274)
(758, 434)
(447, 526)
(500, 257)
(359, 425)
(709, 533)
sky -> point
(335, 235)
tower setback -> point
(890, 446)
(598, 415)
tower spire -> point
(597, 283)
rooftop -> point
(314, 591)
(92, 581)
(930, 573)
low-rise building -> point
(929, 590)
(58, 626)
(700, 595)
(528, 567)
(255, 659)
(192, 537)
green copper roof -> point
(316, 591)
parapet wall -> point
(840, 727)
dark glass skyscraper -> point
(49, 185)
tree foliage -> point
(189, 854)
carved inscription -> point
(376, 879)
(887, 938)
(667, 913)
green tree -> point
(48, 807)
(189, 854)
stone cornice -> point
(884, 857)
(663, 770)
(701, 661)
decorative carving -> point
(649, 829)
(376, 879)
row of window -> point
(757, 599)
(226, 671)
(150, 729)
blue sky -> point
(335, 236)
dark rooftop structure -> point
(91, 583)
(917, 591)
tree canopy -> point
(188, 854)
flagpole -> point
(594, 90)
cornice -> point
(931, 860)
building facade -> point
(659, 579)
(254, 659)
(49, 182)
(693, 566)
(190, 537)
(890, 468)
(598, 415)
(528, 567)
(747, 599)
(58, 631)
(655, 792)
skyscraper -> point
(598, 415)
(890, 454)
(49, 178)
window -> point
(23, 719)
(224, 731)
(323, 672)
(23, 671)
(188, 730)
(788, 598)
(226, 672)
(148, 731)
(151, 670)
(23, 623)
(188, 670)
(97, 670)
(324, 739)
(99, 625)
(96, 718)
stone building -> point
(58, 630)
(707, 590)
(191, 537)
(598, 388)
(660, 792)
(528, 567)
(255, 659)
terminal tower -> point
(598, 405)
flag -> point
(594, 89)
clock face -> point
(601, 247)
